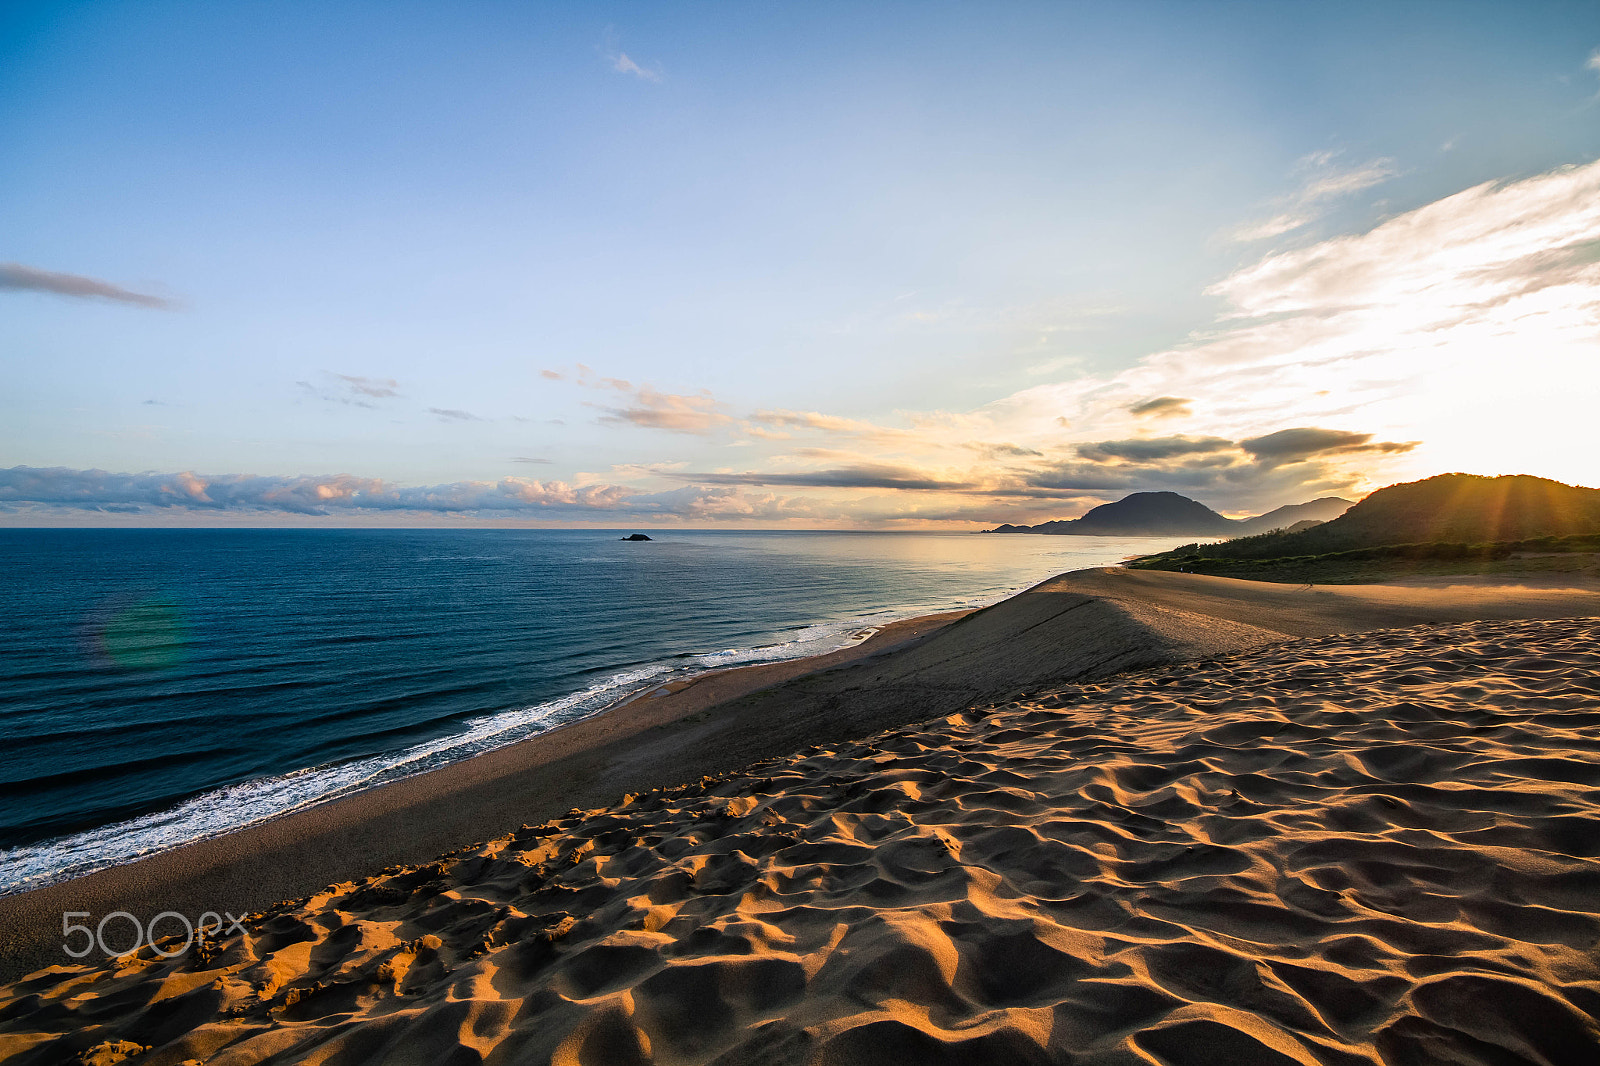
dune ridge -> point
(1371, 848)
(1078, 626)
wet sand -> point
(1123, 817)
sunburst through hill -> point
(1448, 523)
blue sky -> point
(813, 265)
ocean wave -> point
(249, 803)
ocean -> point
(163, 686)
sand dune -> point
(1376, 848)
(1080, 626)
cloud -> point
(1004, 451)
(1148, 449)
(1327, 182)
(1221, 480)
(54, 491)
(15, 276)
(1286, 463)
(865, 476)
(589, 379)
(695, 414)
(624, 65)
(449, 414)
(700, 413)
(752, 430)
(1468, 324)
(377, 387)
(634, 470)
(722, 503)
(351, 389)
(833, 425)
(99, 490)
(1160, 407)
(552, 375)
(1293, 445)
(528, 459)
(810, 420)
(1269, 228)
(1323, 181)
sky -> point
(825, 265)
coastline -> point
(119, 842)
(1264, 824)
(1077, 626)
(408, 820)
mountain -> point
(1324, 510)
(1140, 515)
(1449, 508)
(1161, 514)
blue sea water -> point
(162, 686)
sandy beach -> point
(1123, 817)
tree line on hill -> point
(1447, 517)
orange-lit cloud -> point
(696, 413)
(1161, 407)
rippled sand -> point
(1350, 849)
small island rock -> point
(637, 536)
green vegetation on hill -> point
(1453, 523)
(1450, 508)
(1552, 554)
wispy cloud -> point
(377, 387)
(622, 64)
(866, 476)
(633, 470)
(351, 389)
(19, 278)
(1003, 450)
(697, 413)
(1323, 180)
(450, 414)
(725, 503)
(828, 425)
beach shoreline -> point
(1085, 624)
(709, 684)
(326, 839)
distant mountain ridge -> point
(1157, 514)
